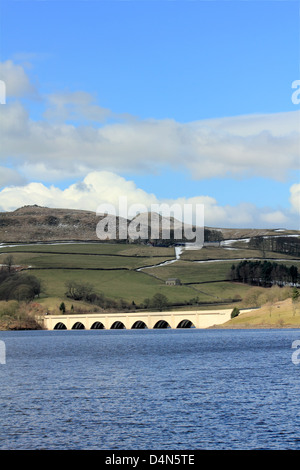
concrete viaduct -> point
(135, 320)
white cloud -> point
(76, 136)
(295, 199)
(9, 177)
(274, 218)
(106, 187)
(33, 193)
(78, 106)
(267, 148)
(96, 188)
(16, 80)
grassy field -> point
(83, 261)
(121, 249)
(282, 314)
(127, 285)
(112, 269)
(192, 272)
(188, 271)
(88, 256)
(238, 250)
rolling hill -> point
(34, 223)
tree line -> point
(17, 285)
(212, 235)
(263, 273)
(86, 292)
(286, 245)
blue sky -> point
(184, 99)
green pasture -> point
(188, 271)
(221, 291)
(238, 250)
(112, 270)
(122, 249)
(74, 261)
(89, 256)
(132, 285)
(127, 285)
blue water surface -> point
(150, 389)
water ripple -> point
(192, 389)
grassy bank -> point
(16, 315)
(282, 314)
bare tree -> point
(8, 262)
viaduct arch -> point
(138, 320)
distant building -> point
(173, 282)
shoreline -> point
(214, 327)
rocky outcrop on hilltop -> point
(35, 223)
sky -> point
(187, 102)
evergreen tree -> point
(62, 307)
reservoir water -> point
(150, 389)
